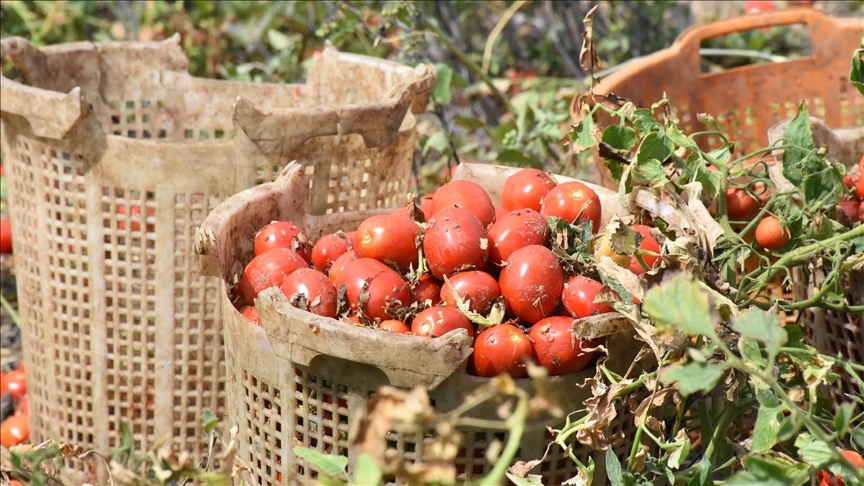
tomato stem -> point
(16, 318)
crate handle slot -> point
(51, 114)
(407, 361)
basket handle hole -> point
(765, 45)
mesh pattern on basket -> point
(119, 327)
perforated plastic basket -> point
(115, 155)
(302, 379)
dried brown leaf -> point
(588, 59)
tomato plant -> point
(770, 233)
(532, 283)
(501, 349)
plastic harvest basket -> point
(116, 155)
(301, 379)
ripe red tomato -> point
(23, 407)
(516, 230)
(328, 248)
(556, 346)
(251, 312)
(859, 188)
(15, 430)
(648, 243)
(478, 287)
(389, 238)
(339, 264)
(428, 288)
(526, 189)
(770, 234)
(825, 477)
(5, 235)
(455, 241)
(283, 234)
(532, 283)
(269, 270)
(14, 483)
(437, 321)
(426, 205)
(468, 196)
(579, 295)
(758, 6)
(14, 382)
(851, 180)
(741, 206)
(500, 213)
(371, 287)
(501, 349)
(394, 325)
(312, 291)
(850, 209)
(567, 200)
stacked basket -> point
(303, 379)
(115, 155)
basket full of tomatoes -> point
(472, 282)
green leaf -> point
(769, 471)
(210, 421)
(843, 418)
(650, 171)
(278, 40)
(439, 142)
(858, 436)
(655, 146)
(367, 470)
(613, 469)
(441, 90)
(789, 427)
(722, 155)
(531, 480)
(798, 133)
(814, 451)
(703, 475)
(751, 352)
(693, 377)
(469, 123)
(767, 428)
(856, 75)
(331, 465)
(678, 138)
(679, 305)
(763, 327)
(620, 137)
(582, 135)
(645, 122)
(679, 453)
(513, 156)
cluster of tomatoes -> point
(452, 263)
(15, 429)
(853, 204)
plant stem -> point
(516, 424)
(728, 415)
(16, 318)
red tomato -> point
(825, 477)
(428, 288)
(5, 235)
(647, 244)
(339, 264)
(516, 230)
(437, 321)
(389, 238)
(859, 188)
(532, 283)
(468, 196)
(426, 205)
(14, 382)
(371, 287)
(15, 430)
(850, 209)
(851, 180)
(328, 248)
(770, 234)
(501, 349)
(283, 234)
(758, 6)
(269, 270)
(478, 287)
(569, 199)
(526, 189)
(312, 291)
(500, 213)
(393, 325)
(251, 312)
(579, 295)
(455, 241)
(556, 346)
(23, 407)
(741, 206)
(14, 483)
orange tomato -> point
(825, 477)
(741, 206)
(15, 430)
(770, 234)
